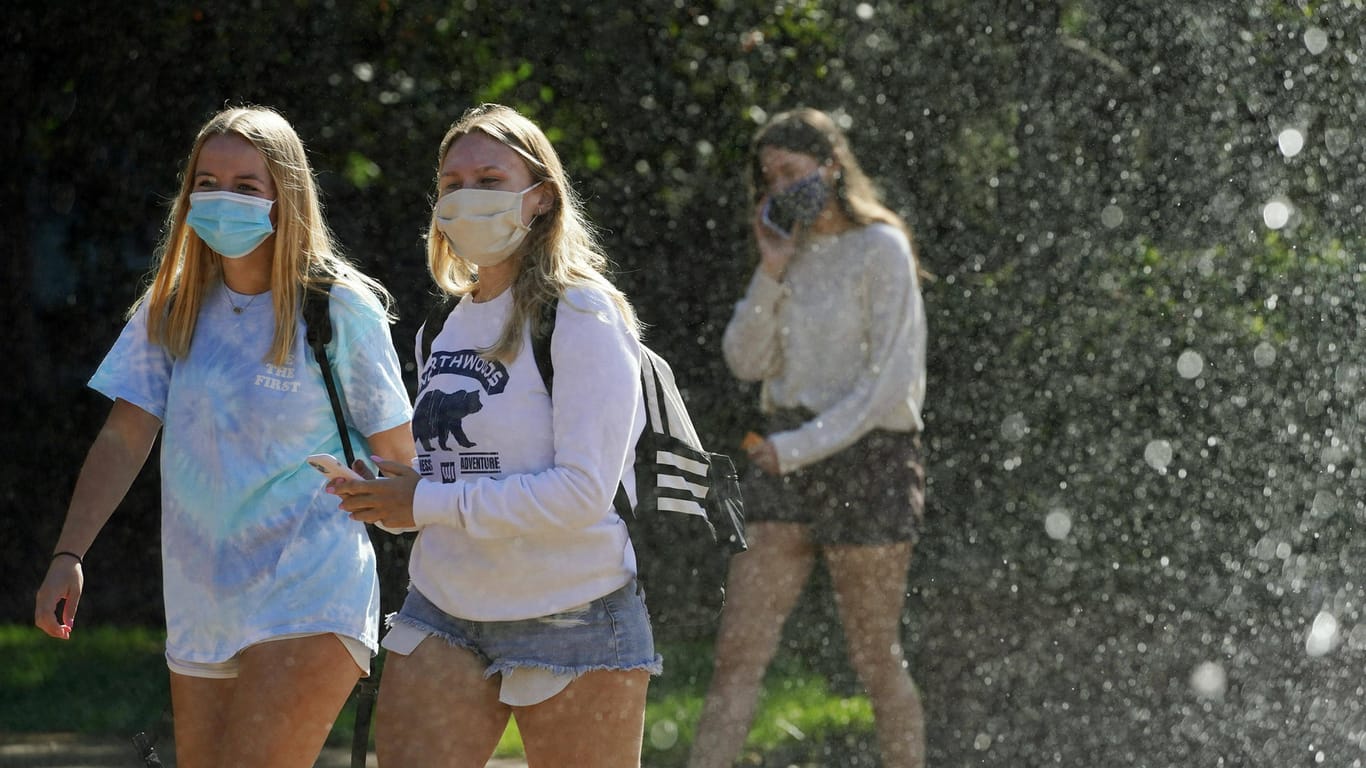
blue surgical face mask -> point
(230, 223)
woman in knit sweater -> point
(833, 326)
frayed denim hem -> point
(655, 667)
(451, 640)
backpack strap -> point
(437, 313)
(540, 345)
(540, 350)
(318, 330)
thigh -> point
(597, 722)
(763, 584)
(870, 592)
(287, 697)
(199, 708)
(436, 708)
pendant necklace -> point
(236, 310)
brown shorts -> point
(872, 492)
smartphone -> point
(776, 221)
(332, 469)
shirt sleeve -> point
(895, 312)
(597, 414)
(135, 369)
(366, 364)
(750, 343)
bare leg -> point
(275, 714)
(436, 708)
(870, 592)
(596, 722)
(200, 707)
(761, 589)
(287, 697)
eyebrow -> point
(480, 169)
(249, 176)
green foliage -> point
(104, 680)
(111, 681)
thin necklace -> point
(236, 310)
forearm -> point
(113, 462)
(750, 341)
(394, 444)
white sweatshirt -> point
(842, 335)
(515, 512)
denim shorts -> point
(609, 633)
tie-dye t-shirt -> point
(252, 546)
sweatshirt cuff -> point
(763, 289)
(789, 447)
(436, 503)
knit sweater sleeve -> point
(596, 415)
(751, 341)
(895, 315)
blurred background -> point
(1146, 359)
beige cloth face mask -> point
(483, 226)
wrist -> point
(774, 271)
(67, 553)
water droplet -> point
(1190, 364)
(1316, 40)
(1158, 454)
(1325, 504)
(1057, 524)
(1111, 216)
(1276, 214)
(1209, 680)
(1014, 427)
(1291, 141)
(1264, 354)
(664, 735)
(1322, 635)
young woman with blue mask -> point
(523, 601)
(271, 592)
(832, 325)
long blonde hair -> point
(306, 256)
(560, 251)
(813, 132)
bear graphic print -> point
(439, 415)
(459, 391)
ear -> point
(547, 202)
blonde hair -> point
(560, 251)
(305, 257)
(813, 132)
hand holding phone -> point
(777, 223)
(331, 468)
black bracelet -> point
(79, 561)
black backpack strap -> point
(367, 689)
(437, 313)
(540, 350)
(318, 330)
(318, 325)
(540, 345)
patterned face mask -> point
(799, 203)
